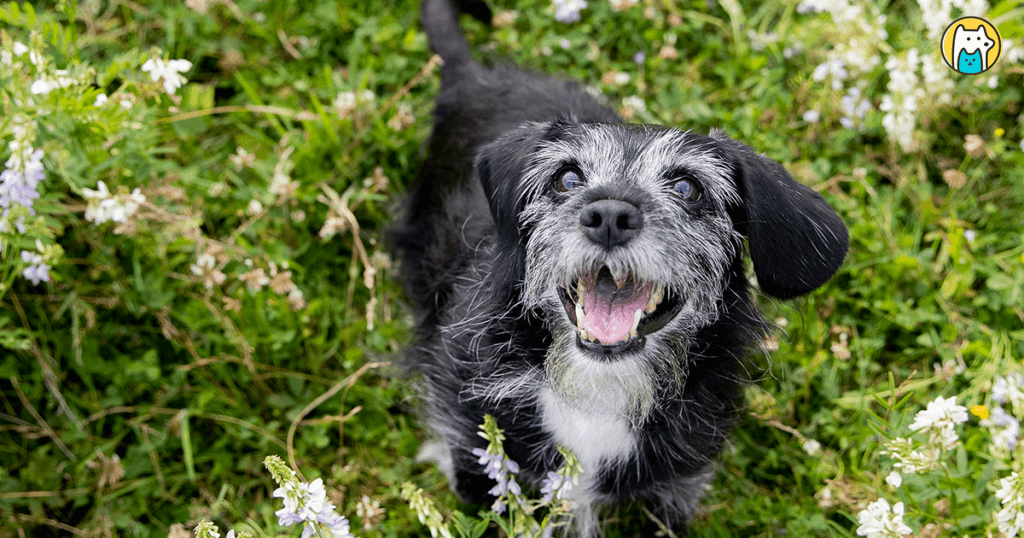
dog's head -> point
(623, 236)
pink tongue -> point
(607, 320)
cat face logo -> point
(971, 45)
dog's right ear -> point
(500, 166)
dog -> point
(583, 280)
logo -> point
(971, 45)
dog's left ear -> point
(796, 240)
(500, 165)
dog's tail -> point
(441, 22)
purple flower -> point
(37, 271)
(568, 11)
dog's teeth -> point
(632, 334)
(620, 276)
(656, 296)
(636, 320)
(580, 316)
(584, 335)
(580, 288)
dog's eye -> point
(687, 190)
(567, 180)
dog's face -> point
(622, 237)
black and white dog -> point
(583, 281)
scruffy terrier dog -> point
(582, 280)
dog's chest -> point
(593, 436)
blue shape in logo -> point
(970, 64)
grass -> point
(135, 398)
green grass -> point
(126, 353)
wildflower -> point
(894, 479)
(370, 512)
(974, 145)
(502, 470)
(19, 182)
(668, 52)
(505, 18)
(836, 69)
(1005, 430)
(939, 419)
(568, 11)
(954, 178)
(346, 101)
(631, 105)
(1011, 493)
(979, 411)
(855, 106)
(169, 71)
(206, 267)
(623, 5)
(37, 271)
(102, 206)
(1010, 388)
(556, 486)
(759, 41)
(812, 447)
(811, 116)
(241, 158)
(101, 100)
(255, 279)
(305, 502)
(425, 511)
(880, 520)
(908, 459)
(403, 117)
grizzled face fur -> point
(624, 236)
(628, 244)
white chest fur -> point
(592, 435)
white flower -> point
(939, 419)
(103, 207)
(1011, 387)
(894, 479)
(812, 447)
(635, 103)
(568, 10)
(881, 521)
(254, 207)
(909, 460)
(19, 48)
(168, 71)
(101, 100)
(1011, 493)
(812, 116)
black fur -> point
(463, 248)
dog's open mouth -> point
(614, 313)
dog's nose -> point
(611, 222)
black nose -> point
(611, 222)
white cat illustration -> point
(972, 47)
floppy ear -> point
(796, 241)
(500, 165)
